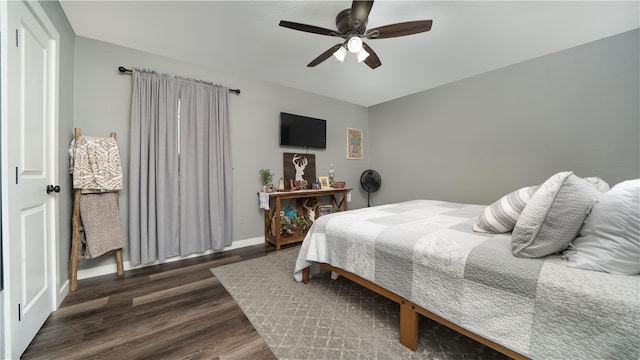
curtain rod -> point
(123, 69)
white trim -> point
(111, 268)
(5, 328)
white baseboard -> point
(111, 268)
(62, 293)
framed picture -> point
(299, 167)
(324, 182)
(354, 143)
(324, 210)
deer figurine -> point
(310, 211)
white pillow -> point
(502, 215)
(610, 239)
(553, 216)
(599, 183)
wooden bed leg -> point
(408, 325)
(305, 275)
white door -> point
(31, 105)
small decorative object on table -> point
(266, 175)
(332, 175)
(315, 185)
(339, 184)
(324, 210)
(310, 205)
(297, 184)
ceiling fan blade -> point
(399, 29)
(373, 61)
(324, 56)
(309, 28)
(360, 13)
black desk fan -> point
(370, 182)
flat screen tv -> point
(302, 131)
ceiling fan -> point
(352, 27)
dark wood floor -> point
(177, 310)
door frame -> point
(8, 39)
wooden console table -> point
(278, 239)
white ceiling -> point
(243, 38)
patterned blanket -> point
(427, 252)
(95, 164)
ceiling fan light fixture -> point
(340, 54)
(354, 44)
(362, 55)
(351, 26)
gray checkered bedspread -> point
(427, 252)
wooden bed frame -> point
(409, 314)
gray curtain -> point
(205, 168)
(179, 179)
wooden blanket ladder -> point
(76, 228)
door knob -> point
(51, 188)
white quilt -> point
(427, 252)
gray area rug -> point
(331, 319)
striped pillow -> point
(502, 215)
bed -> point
(425, 255)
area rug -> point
(331, 319)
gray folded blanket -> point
(101, 221)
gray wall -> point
(479, 138)
(103, 100)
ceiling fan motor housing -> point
(343, 22)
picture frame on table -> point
(324, 182)
(325, 210)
